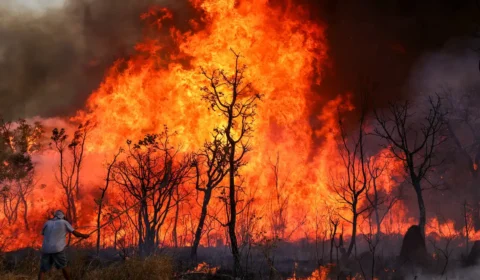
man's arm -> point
(74, 232)
(79, 234)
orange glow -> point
(161, 85)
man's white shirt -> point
(54, 234)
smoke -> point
(53, 56)
(465, 273)
(454, 68)
(452, 73)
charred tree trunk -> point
(354, 235)
(332, 239)
(175, 221)
(422, 219)
(201, 223)
(233, 212)
(25, 213)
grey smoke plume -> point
(453, 68)
(452, 73)
(52, 57)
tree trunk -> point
(233, 213)
(201, 223)
(175, 225)
(98, 224)
(25, 212)
(354, 234)
(422, 220)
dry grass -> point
(155, 268)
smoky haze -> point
(52, 59)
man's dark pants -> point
(48, 260)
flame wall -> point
(286, 55)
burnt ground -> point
(298, 258)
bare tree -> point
(100, 201)
(235, 99)
(334, 221)
(380, 204)
(447, 236)
(71, 155)
(211, 167)
(150, 173)
(414, 142)
(352, 183)
(280, 202)
(467, 220)
(380, 201)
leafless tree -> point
(334, 222)
(235, 99)
(351, 185)
(380, 204)
(447, 235)
(116, 223)
(380, 201)
(467, 220)
(71, 155)
(321, 234)
(100, 201)
(280, 202)
(150, 173)
(414, 142)
(211, 167)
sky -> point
(38, 6)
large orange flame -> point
(161, 85)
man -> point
(54, 234)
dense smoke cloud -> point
(52, 57)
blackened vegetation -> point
(151, 173)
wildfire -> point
(161, 85)
(205, 268)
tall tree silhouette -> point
(236, 101)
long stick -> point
(111, 220)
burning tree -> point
(71, 155)
(18, 140)
(413, 142)
(211, 167)
(150, 174)
(235, 99)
